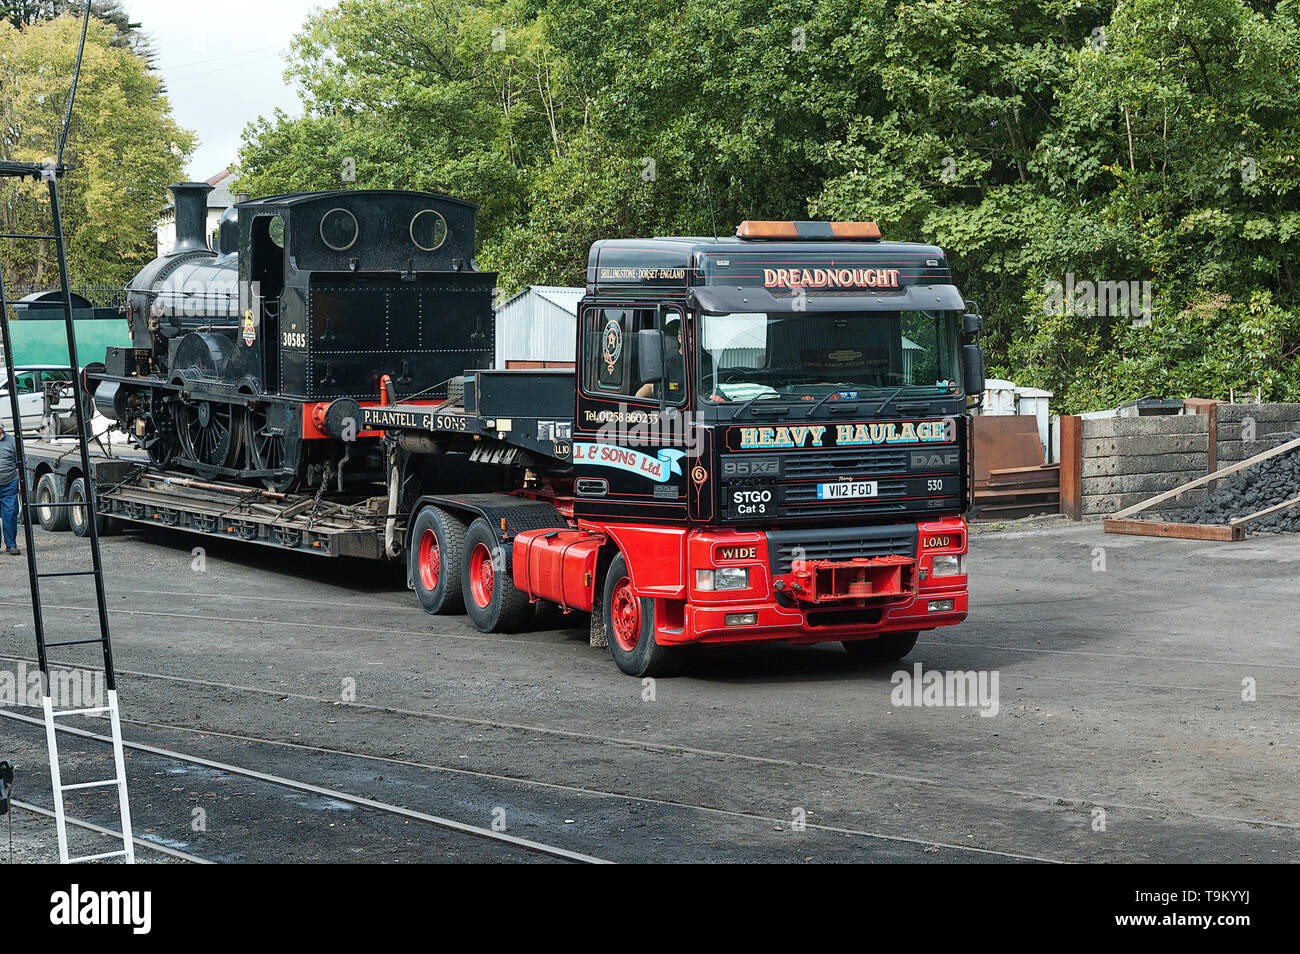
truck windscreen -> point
(808, 356)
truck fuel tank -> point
(558, 565)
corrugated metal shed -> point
(538, 326)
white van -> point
(31, 379)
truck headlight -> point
(724, 578)
(948, 564)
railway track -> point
(102, 830)
(667, 748)
(646, 745)
(514, 841)
(760, 819)
(673, 748)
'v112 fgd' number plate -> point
(846, 490)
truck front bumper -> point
(760, 612)
(709, 624)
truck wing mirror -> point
(972, 323)
(972, 370)
(650, 356)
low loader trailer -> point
(763, 437)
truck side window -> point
(607, 349)
(610, 362)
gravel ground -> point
(1121, 733)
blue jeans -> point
(9, 513)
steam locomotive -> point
(251, 362)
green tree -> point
(129, 34)
(449, 96)
(123, 147)
(1038, 141)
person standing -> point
(9, 491)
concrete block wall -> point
(1126, 460)
(1272, 423)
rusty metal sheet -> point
(1005, 441)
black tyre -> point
(433, 560)
(492, 601)
(630, 627)
(78, 519)
(79, 516)
(50, 489)
(886, 648)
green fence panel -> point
(46, 342)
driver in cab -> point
(674, 365)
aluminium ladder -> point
(50, 173)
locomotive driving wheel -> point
(210, 435)
(266, 449)
(160, 440)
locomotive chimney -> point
(191, 216)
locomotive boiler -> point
(252, 361)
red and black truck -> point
(765, 437)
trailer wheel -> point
(78, 518)
(433, 560)
(50, 490)
(886, 648)
(630, 627)
(493, 602)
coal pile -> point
(1262, 485)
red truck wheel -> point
(433, 560)
(630, 627)
(886, 648)
(492, 601)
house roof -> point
(221, 197)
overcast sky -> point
(222, 63)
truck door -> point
(630, 453)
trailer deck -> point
(131, 490)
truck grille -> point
(831, 464)
(838, 543)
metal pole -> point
(72, 94)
